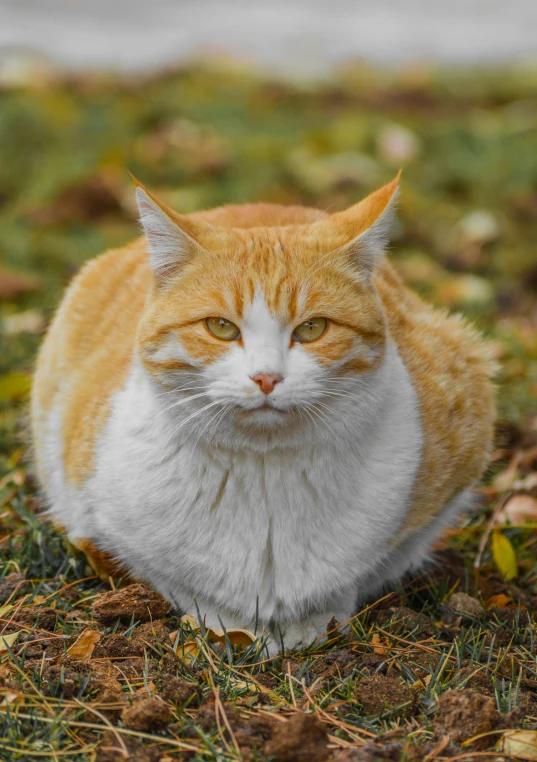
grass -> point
(466, 239)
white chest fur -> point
(272, 533)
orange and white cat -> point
(247, 409)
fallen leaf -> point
(8, 640)
(500, 601)
(519, 509)
(378, 647)
(14, 386)
(504, 555)
(13, 284)
(83, 647)
(521, 744)
(191, 621)
(236, 636)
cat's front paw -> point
(300, 634)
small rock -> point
(147, 714)
(134, 601)
(302, 739)
(461, 604)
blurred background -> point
(292, 102)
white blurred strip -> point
(309, 35)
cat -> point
(247, 409)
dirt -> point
(36, 617)
(12, 583)
(465, 714)
(302, 739)
(378, 694)
(152, 633)
(146, 714)
(407, 620)
(461, 604)
(117, 646)
(110, 751)
(371, 752)
(133, 602)
(178, 691)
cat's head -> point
(265, 326)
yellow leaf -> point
(521, 744)
(8, 640)
(236, 636)
(504, 555)
(5, 609)
(501, 601)
(83, 647)
(14, 386)
(191, 621)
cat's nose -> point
(267, 381)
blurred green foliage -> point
(220, 133)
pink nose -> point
(267, 381)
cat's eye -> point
(223, 329)
(310, 330)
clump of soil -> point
(68, 676)
(117, 646)
(36, 617)
(338, 662)
(12, 583)
(152, 633)
(146, 714)
(460, 604)
(178, 691)
(407, 620)
(464, 714)
(110, 751)
(135, 601)
(371, 752)
(378, 694)
(302, 739)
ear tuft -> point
(369, 223)
(168, 246)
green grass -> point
(466, 239)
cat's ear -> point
(366, 225)
(172, 238)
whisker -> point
(182, 402)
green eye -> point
(223, 329)
(310, 330)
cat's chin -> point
(266, 415)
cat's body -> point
(158, 443)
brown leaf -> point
(520, 509)
(83, 647)
(500, 601)
(13, 284)
(520, 744)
